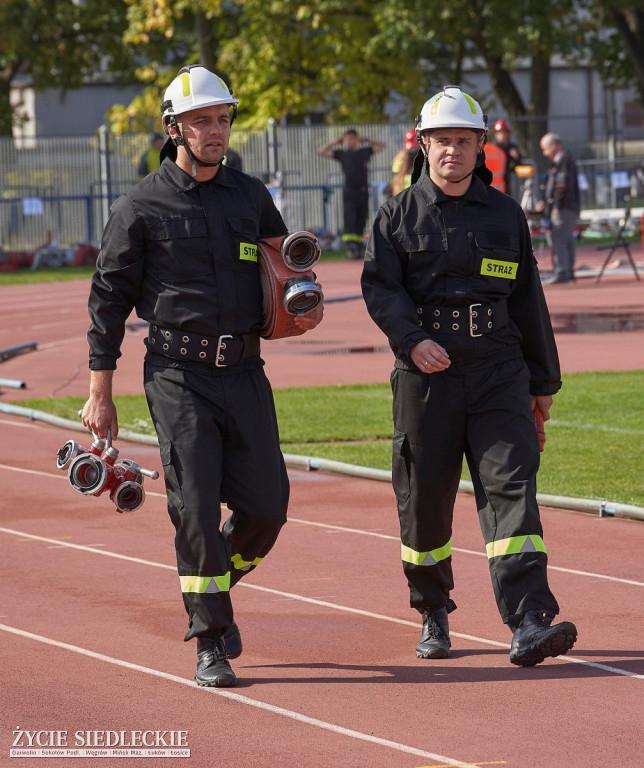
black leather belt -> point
(473, 320)
(222, 351)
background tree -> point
(616, 43)
(498, 37)
(60, 45)
(170, 34)
(358, 61)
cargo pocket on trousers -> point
(400, 467)
(172, 480)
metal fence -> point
(60, 189)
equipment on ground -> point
(619, 242)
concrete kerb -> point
(312, 463)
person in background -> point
(496, 161)
(450, 278)
(561, 204)
(353, 152)
(181, 248)
(403, 164)
(233, 160)
(150, 160)
(503, 139)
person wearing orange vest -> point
(496, 161)
(503, 139)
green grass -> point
(594, 449)
(44, 275)
(59, 274)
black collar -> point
(183, 181)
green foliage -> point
(594, 448)
(285, 58)
(615, 42)
(60, 44)
(295, 58)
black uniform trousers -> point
(219, 442)
(484, 414)
(355, 205)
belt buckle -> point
(473, 325)
(220, 359)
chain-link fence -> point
(60, 189)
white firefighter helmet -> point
(192, 88)
(451, 108)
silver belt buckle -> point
(221, 345)
(473, 316)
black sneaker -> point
(434, 640)
(213, 668)
(535, 640)
(233, 641)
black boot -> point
(213, 668)
(434, 641)
(233, 641)
(535, 640)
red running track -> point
(91, 622)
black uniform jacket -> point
(562, 184)
(183, 254)
(429, 250)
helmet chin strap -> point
(178, 140)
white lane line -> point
(596, 427)
(23, 424)
(465, 551)
(309, 600)
(357, 531)
(240, 699)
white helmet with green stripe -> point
(195, 87)
(451, 108)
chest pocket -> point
(497, 259)
(180, 248)
(245, 236)
(423, 247)
(426, 261)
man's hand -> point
(99, 412)
(541, 409)
(543, 403)
(429, 357)
(308, 321)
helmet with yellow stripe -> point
(195, 87)
(451, 108)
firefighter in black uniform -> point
(353, 152)
(181, 248)
(451, 279)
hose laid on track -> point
(310, 463)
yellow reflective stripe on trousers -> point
(410, 555)
(205, 584)
(349, 237)
(515, 545)
(240, 564)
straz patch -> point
(493, 268)
(247, 252)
